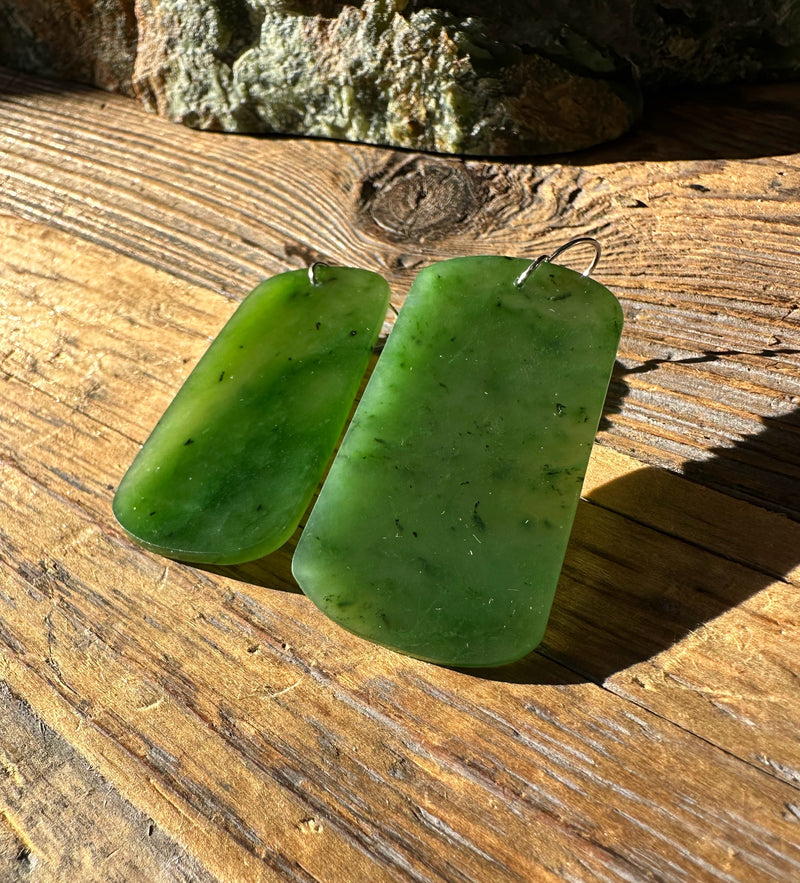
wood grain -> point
(130, 648)
(652, 737)
(64, 822)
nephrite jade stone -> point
(442, 526)
(231, 467)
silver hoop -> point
(548, 259)
(312, 273)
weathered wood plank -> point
(62, 821)
(702, 253)
(656, 742)
(648, 614)
(254, 730)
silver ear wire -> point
(578, 240)
(312, 273)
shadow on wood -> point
(654, 556)
(20, 84)
(270, 572)
(763, 468)
(735, 122)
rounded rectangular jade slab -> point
(231, 467)
(442, 526)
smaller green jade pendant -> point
(232, 465)
(443, 523)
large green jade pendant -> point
(231, 467)
(442, 526)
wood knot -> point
(421, 199)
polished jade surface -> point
(442, 526)
(231, 467)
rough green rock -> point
(443, 522)
(232, 465)
(427, 80)
(463, 76)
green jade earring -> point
(231, 467)
(442, 526)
